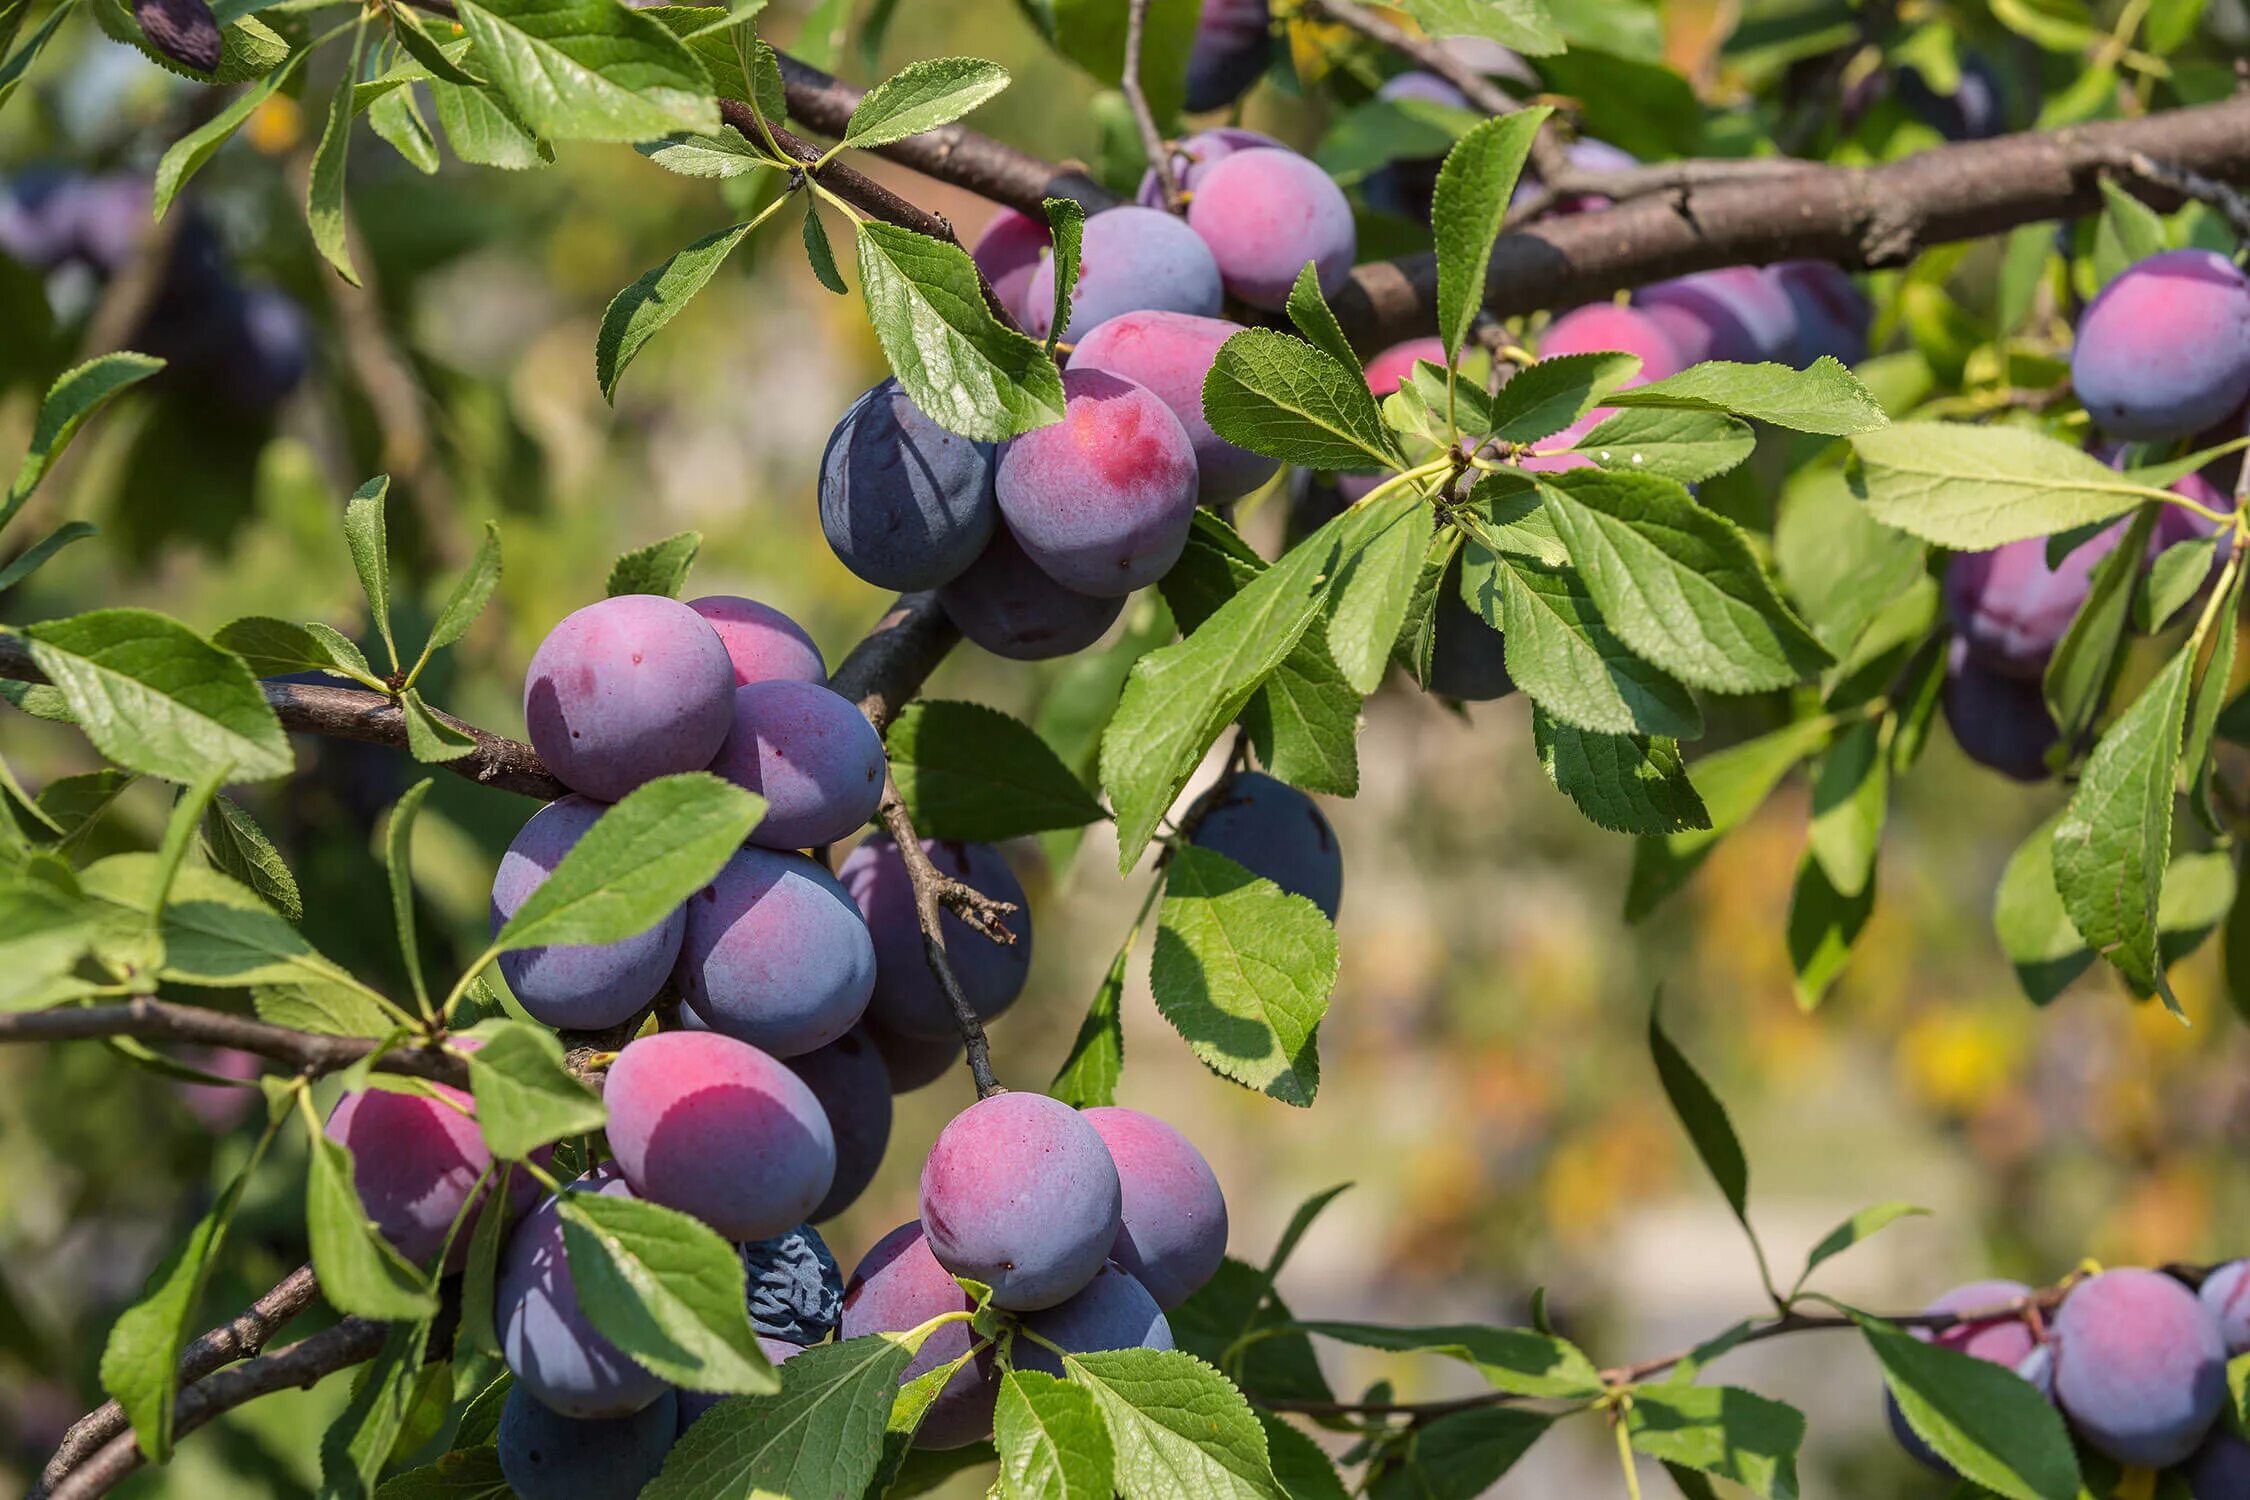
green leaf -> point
(1066, 230)
(821, 1435)
(1369, 601)
(1851, 796)
(397, 119)
(478, 1329)
(2127, 231)
(1516, 1360)
(360, 1442)
(140, 1362)
(2083, 666)
(970, 772)
(819, 254)
(2204, 707)
(407, 26)
(922, 96)
(1462, 1454)
(327, 1008)
(42, 936)
(272, 648)
(1862, 1226)
(1544, 399)
(1179, 699)
(1088, 1076)
(1823, 925)
(1703, 1116)
(13, 70)
(659, 568)
(665, 1289)
(966, 370)
(1316, 320)
(658, 846)
(463, 1474)
(1278, 1364)
(431, 739)
(525, 1097)
(248, 47)
(1624, 783)
(324, 186)
(2115, 837)
(1304, 1471)
(724, 153)
(1973, 487)
(1243, 970)
(1825, 398)
(1091, 33)
(1841, 566)
(1051, 1440)
(35, 557)
(1520, 25)
(1720, 1430)
(1678, 583)
(1993, 1426)
(636, 314)
(484, 129)
(187, 155)
(1180, 1430)
(1282, 397)
(590, 70)
(2174, 578)
(157, 698)
(364, 534)
(398, 864)
(470, 595)
(1473, 189)
(74, 397)
(359, 1271)
(1563, 653)
(238, 847)
(215, 931)
(893, 1474)
(1732, 784)
(1689, 446)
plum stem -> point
(926, 881)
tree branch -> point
(925, 879)
(153, 1020)
(1136, 99)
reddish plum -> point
(1171, 354)
(761, 641)
(1265, 214)
(1103, 499)
(898, 1287)
(627, 690)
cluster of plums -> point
(2162, 356)
(2135, 1359)
(243, 345)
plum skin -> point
(1114, 1311)
(575, 986)
(1008, 605)
(2226, 1293)
(1738, 313)
(853, 1086)
(2000, 722)
(811, 754)
(2163, 351)
(1197, 155)
(1007, 251)
(1130, 258)
(1171, 354)
(1232, 46)
(627, 690)
(1277, 833)
(1020, 1193)
(2140, 1368)
(1174, 1230)
(904, 503)
(554, 1351)
(715, 1128)
(1265, 213)
(899, 1286)
(761, 641)
(907, 999)
(1102, 500)
(913, 1062)
(545, 1455)
(775, 954)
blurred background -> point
(1486, 1084)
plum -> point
(810, 753)
(693, 1404)
(545, 1455)
(1171, 354)
(1198, 154)
(626, 690)
(796, 1291)
(905, 504)
(1233, 43)
(914, 1062)
(1387, 371)
(1130, 258)
(1020, 1193)
(775, 954)
(762, 643)
(545, 1336)
(1174, 1233)
(2005, 1341)
(1832, 313)
(1265, 214)
(2164, 350)
(1008, 252)
(2226, 1293)
(908, 1001)
(853, 1085)
(576, 986)
(898, 1287)
(1008, 605)
(1276, 833)
(2140, 1368)
(1734, 313)
(1999, 721)
(1114, 1311)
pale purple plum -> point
(2140, 1368)
(1129, 259)
(763, 643)
(811, 754)
(553, 1350)
(715, 1128)
(575, 986)
(898, 1287)
(1735, 313)
(627, 690)
(775, 954)
(2226, 1292)
(1102, 500)
(907, 1000)
(853, 1085)
(1198, 154)
(1020, 1193)
(2164, 350)
(1265, 214)
(1174, 1233)
(1008, 251)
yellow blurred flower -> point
(275, 127)
(1957, 1059)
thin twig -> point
(151, 1020)
(2228, 200)
(1136, 98)
(924, 878)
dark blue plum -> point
(1833, 314)
(1007, 604)
(1020, 1193)
(853, 1085)
(1998, 721)
(775, 954)
(545, 1455)
(907, 1000)
(905, 503)
(2164, 351)
(2139, 1367)
(1113, 1312)
(1233, 43)
(1467, 657)
(2220, 1469)
(580, 987)
(914, 1062)
(555, 1353)
(1276, 833)
(796, 1289)
(898, 1287)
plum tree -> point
(553, 1350)
(1174, 1230)
(1171, 354)
(693, 1404)
(1276, 833)
(1103, 499)
(1008, 605)
(2139, 1366)
(796, 1290)
(761, 641)
(1114, 1311)
(545, 1455)
(810, 753)
(1736, 312)
(1233, 41)
(1998, 720)
(2007, 1341)
(1832, 314)
(715, 1128)
(775, 954)
(416, 1162)
(2164, 350)
(908, 1001)
(904, 503)
(1008, 251)
(1019, 1192)
(585, 986)
(898, 1286)
(1197, 154)
(2226, 1294)
(849, 1078)
(913, 1062)
(626, 690)
(1265, 214)
(1130, 258)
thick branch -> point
(153, 1020)
(240, 1338)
